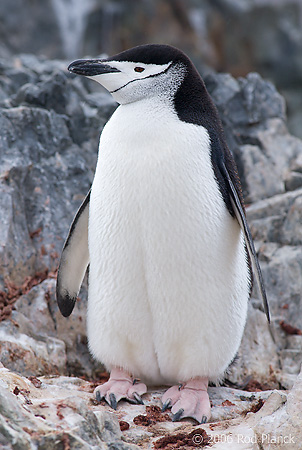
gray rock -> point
(38, 340)
(245, 101)
(238, 37)
(41, 35)
(31, 356)
(11, 433)
(51, 410)
(232, 36)
(253, 114)
(276, 223)
(50, 124)
(277, 219)
(263, 36)
(257, 358)
(43, 141)
(293, 178)
(43, 413)
(276, 227)
(284, 422)
(50, 131)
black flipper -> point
(74, 260)
(240, 215)
(199, 109)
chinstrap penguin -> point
(164, 232)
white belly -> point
(168, 281)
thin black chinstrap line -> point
(138, 79)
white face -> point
(135, 81)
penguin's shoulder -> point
(193, 104)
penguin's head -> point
(140, 72)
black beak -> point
(90, 67)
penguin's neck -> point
(148, 111)
(141, 127)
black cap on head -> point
(151, 54)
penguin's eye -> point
(139, 69)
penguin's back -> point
(169, 280)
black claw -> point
(166, 405)
(98, 396)
(177, 415)
(204, 419)
(138, 398)
(112, 400)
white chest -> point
(149, 159)
(163, 250)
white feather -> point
(169, 280)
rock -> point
(56, 411)
(50, 124)
(280, 251)
(43, 141)
(275, 224)
(284, 421)
(42, 33)
(253, 115)
(293, 178)
(234, 36)
(42, 411)
(257, 358)
(231, 36)
(28, 342)
(40, 148)
(249, 101)
(261, 36)
(277, 219)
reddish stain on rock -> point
(16, 391)
(227, 403)
(196, 439)
(255, 408)
(35, 381)
(66, 442)
(124, 425)
(256, 386)
(60, 406)
(289, 329)
(35, 233)
(13, 292)
(154, 415)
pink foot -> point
(189, 399)
(120, 385)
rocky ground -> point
(58, 412)
(236, 36)
(50, 123)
